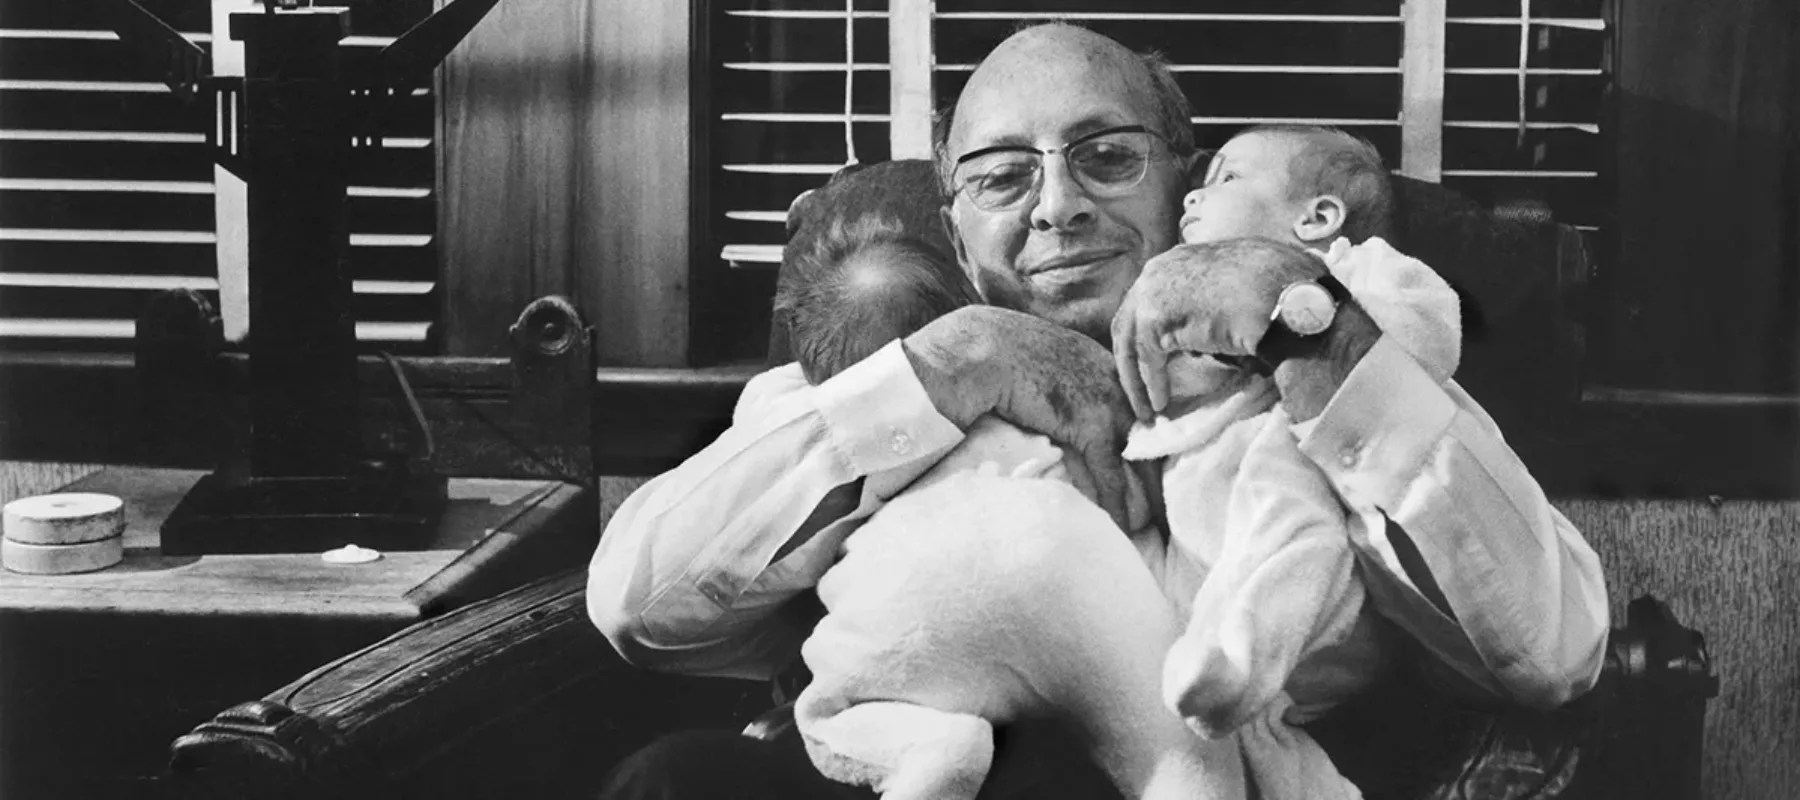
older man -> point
(699, 568)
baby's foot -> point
(1204, 685)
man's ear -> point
(956, 246)
(1196, 166)
(1321, 219)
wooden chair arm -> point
(515, 696)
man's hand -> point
(1034, 374)
(1217, 305)
(1220, 304)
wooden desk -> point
(100, 672)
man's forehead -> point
(989, 128)
(1058, 83)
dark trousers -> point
(1037, 760)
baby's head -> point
(1303, 184)
(862, 284)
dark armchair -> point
(520, 696)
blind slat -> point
(89, 185)
(1117, 16)
(78, 331)
(81, 280)
(783, 169)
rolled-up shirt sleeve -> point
(1471, 555)
(694, 569)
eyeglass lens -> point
(1105, 165)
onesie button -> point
(1350, 455)
(901, 444)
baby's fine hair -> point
(1333, 161)
(863, 284)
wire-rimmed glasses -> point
(1106, 163)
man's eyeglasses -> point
(1107, 163)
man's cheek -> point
(1003, 290)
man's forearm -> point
(1525, 586)
(943, 374)
(669, 583)
(698, 561)
(1518, 581)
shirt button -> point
(901, 444)
(714, 592)
(1350, 455)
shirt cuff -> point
(1380, 429)
(879, 416)
(767, 390)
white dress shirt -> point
(693, 571)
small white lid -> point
(350, 554)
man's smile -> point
(1072, 267)
(1073, 260)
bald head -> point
(1042, 58)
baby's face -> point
(1244, 193)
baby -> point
(1259, 558)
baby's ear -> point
(1321, 220)
(798, 211)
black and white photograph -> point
(900, 399)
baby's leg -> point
(902, 750)
(1002, 598)
(1282, 588)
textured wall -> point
(1732, 572)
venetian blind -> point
(800, 89)
(1524, 117)
(108, 194)
(1499, 99)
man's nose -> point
(1063, 204)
